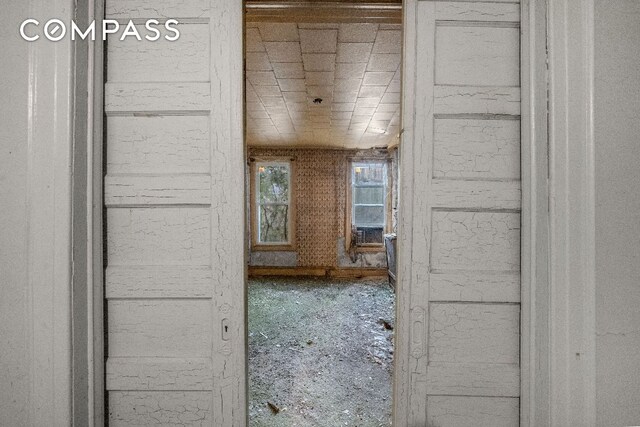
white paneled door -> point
(175, 273)
(459, 351)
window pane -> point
(368, 195)
(272, 224)
(273, 181)
(368, 215)
(368, 173)
(368, 198)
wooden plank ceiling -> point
(351, 64)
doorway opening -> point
(174, 159)
(322, 114)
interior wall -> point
(617, 130)
(14, 322)
(320, 196)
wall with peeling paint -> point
(617, 132)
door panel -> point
(474, 149)
(186, 59)
(171, 408)
(160, 144)
(157, 328)
(468, 55)
(461, 157)
(473, 411)
(174, 217)
(474, 333)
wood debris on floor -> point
(320, 352)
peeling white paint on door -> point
(175, 254)
(459, 284)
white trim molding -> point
(95, 224)
(228, 157)
(572, 213)
(402, 386)
(49, 203)
(535, 377)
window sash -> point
(370, 185)
(285, 165)
(260, 204)
(375, 212)
(273, 204)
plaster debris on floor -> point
(320, 352)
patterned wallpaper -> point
(320, 183)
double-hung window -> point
(369, 201)
(272, 203)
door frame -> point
(535, 214)
(558, 282)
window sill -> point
(283, 248)
(369, 249)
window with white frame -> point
(272, 203)
(368, 201)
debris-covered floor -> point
(320, 352)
